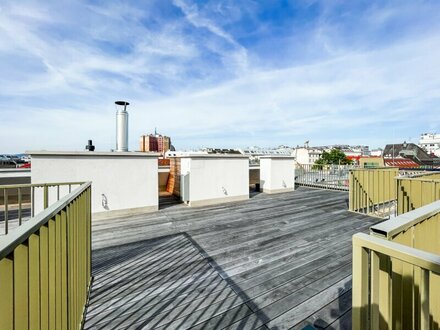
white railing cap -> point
(416, 257)
(395, 226)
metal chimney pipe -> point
(122, 126)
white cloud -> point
(61, 87)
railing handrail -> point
(374, 168)
(9, 242)
(403, 222)
(416, 178)
(30, 185)
(426, 173)
(419, 258)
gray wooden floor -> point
(276, 261)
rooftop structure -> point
(122, 126)
(254, 153)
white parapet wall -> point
(123, 183)
(277, 174)
(214, 179)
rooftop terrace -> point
(274, 261)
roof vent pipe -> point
(121, 126)
(90, 146)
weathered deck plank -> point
(274, 261)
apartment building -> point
(430, 142)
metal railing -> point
(416, 191)
(323, 176)
(19, 202)
(394, 297)
(45, 266)
(373, 191)
(396, 272)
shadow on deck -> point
(278, 262)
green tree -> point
(334, 157)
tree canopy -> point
(334, 157)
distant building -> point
(254, 153)
(430, 142)
(371, 162)
(348, 150)
(376, 152)
(174, 153)
(163, 143)
(155, 143)
(410, 151)
(307, 155)
(221, 151)
(148, 143)
(401, 162)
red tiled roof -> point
(401, 162)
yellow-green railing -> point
(372, 191)
(416, 191)
(45, 266)
(18, 202)
(396, 272)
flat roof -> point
(213, 156)
(93, 153)
(278, 157)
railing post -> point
(6, 210)
(32, 201)
(424, 299)
(46, 196)
(360, 290)
(7, 293)
(374, 290)
(19, 206)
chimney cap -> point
(122, 103)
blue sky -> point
(218, 73)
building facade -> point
(163, 143)
(430, 142)
(154, 143)
(307, 155)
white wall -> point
(127, 180)
(277, 174)
(302, 156)
(215, 179)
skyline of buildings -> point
(155, 143)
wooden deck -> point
(275, 261)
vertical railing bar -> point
(32, 201)
(19, 206)
(70, 188)
(374, 290)
(77, 252)
(424, 299)
(46, 196)
(360, 311)
(5, 198)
